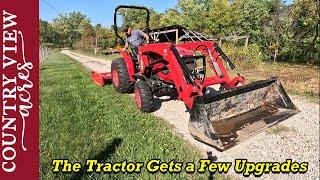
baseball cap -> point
(125, 28)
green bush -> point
(247, 57)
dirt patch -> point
(299, 79)
(278, 129)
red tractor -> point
(189, 65)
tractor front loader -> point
(223, 110)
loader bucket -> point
(225, 118)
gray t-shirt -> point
(136, 38)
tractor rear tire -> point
(120, 76)
(143, 96)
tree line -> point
(279, 31)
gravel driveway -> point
(296, 138)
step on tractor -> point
(224, 110)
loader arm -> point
(186, 86)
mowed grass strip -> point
(80, 121)
(109, 57)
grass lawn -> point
(80, 121)
(90, 53)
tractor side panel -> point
(130, 66)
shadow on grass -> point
(101, 157)
(212, 158)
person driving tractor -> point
(134, 38)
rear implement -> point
(101, 79)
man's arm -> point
(146, 37)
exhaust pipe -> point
(225, 118)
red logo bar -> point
(19, 89)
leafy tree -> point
(105, 37)
(100, 35)
(134, 18)
(171, 17)
(71, 27)
(283, 32)
(47, 34)
(275, 29)
(249, 16)
(154, 18)
(304, 32)
(87, 37)
(194, 13)
(137, 18)
(220, 17)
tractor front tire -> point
(143, 96)
(120, 76)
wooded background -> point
(278, 32)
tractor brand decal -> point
(19, 92)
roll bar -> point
(115, 27)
